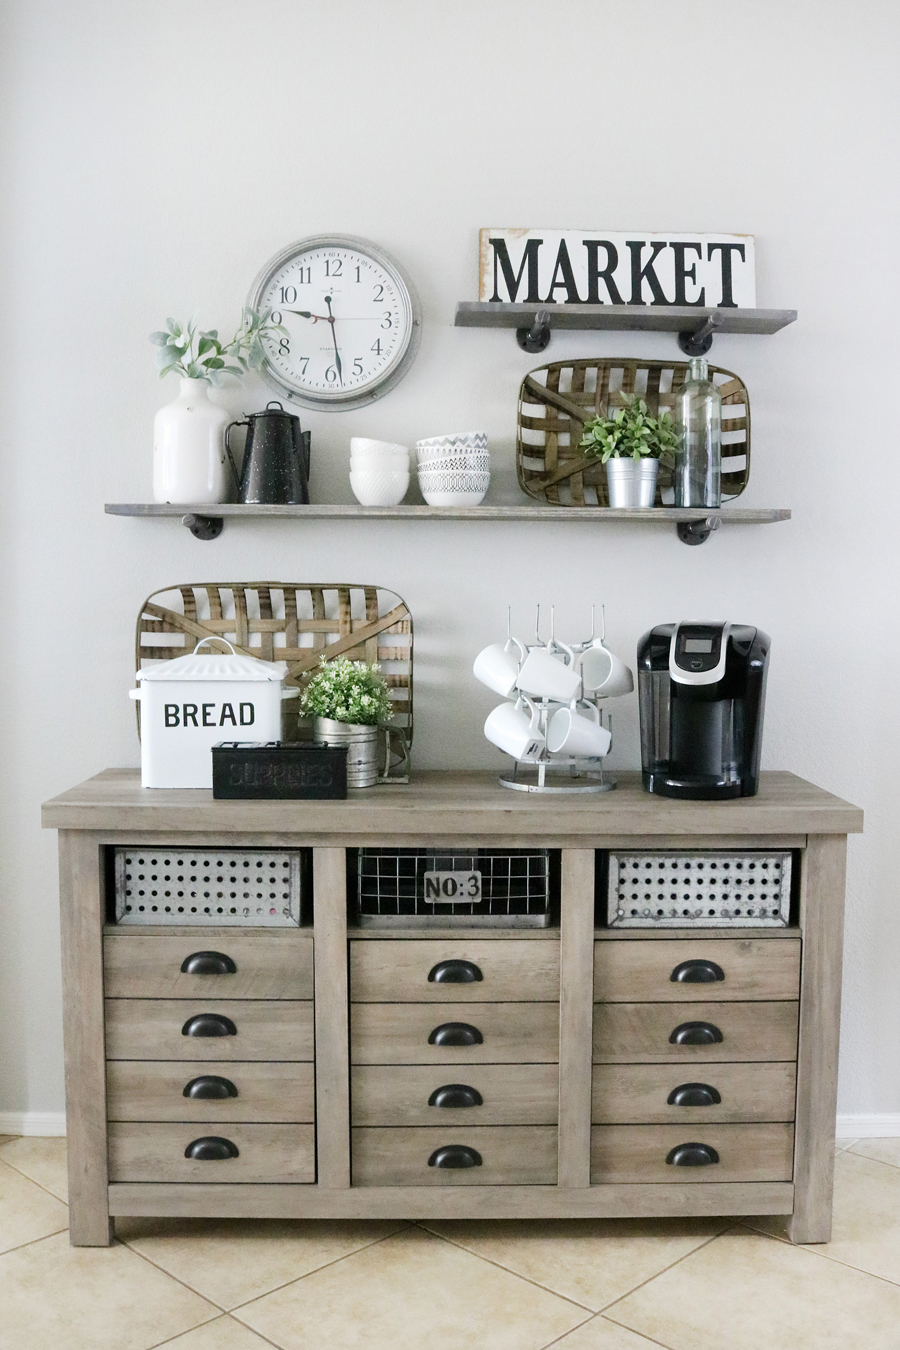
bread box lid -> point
(206, 666)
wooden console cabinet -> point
(323, 1075)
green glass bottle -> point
(698, 422)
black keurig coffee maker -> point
(702, 688)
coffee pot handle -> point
(236, 475)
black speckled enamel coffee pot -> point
(276, 458)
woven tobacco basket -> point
(287, 621)
(555, 401)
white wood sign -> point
(606, 267)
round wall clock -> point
(352, 317)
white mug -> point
(498, 665)
(544, 675)
(570, 732)
(602, 673)
(511, 729)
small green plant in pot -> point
(631, 442)
(348, 702)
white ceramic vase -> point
(189, 459)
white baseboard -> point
(882, 1126)
(33, 1122)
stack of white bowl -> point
(454, 470)
(379, 471)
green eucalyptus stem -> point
(198, 354)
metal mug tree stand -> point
(566, 773)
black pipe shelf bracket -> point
(203, 527)
(693, 326)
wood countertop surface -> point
(454, 803)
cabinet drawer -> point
(637, 1153)
(462, 972)
(731, 968)
(640, 1093)
(639, 1033)
(510, 1094)
(519, 1156)
(155, 1090)
(265, 1153)
(154, 1029)
(270, 965)
(505, 1033)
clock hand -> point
(337, 355)
(305, 314)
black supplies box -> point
(279, 770)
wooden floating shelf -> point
(694, 523)
(694, 326)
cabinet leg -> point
(90, 1229)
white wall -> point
(155, 155)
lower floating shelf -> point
(695, 524)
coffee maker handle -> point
(236, 475)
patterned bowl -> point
(464, 487)
(379, 487)
(458, 464)
(448, 447)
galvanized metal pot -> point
(363, 748)
(631, 482)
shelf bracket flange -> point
(697, 531)
(203, 527)
(698, 342)
(537, 337)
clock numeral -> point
(304, 278)
(376, 347)
(387, 321)
(378, 298)
(358, 277)
(333, 267)
(304, 362)
(288, 295)
(275, 316)
(357, 366)
(331, 374)
(284, 346)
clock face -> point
(352, 320)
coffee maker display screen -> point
(698, 645)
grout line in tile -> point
(178, 1280)
(12, 1167)
(222, 1318)
(868, 1158)
(729, 1228)
(315, 1269)
(557, 1339)
(814, 1249)
(626, 1327)
(509, 1271)
(20, 1245)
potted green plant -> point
(631, 442)
(190, 463)
(348, 702)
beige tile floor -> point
(580, 1285)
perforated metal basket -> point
(728, 889)
(262, 888)
(429, 888)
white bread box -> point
(190, 704)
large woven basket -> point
(287, 621)
(555, 401)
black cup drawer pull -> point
(209, 1024)
(454, 972)
(210, 1087)
(456, 1033)
(693, 1155)
(208, 963)
(456, 1094)
(696, 1033)
(694, 1094)
(455, 1155)
(697, 972)
(211, 1148)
